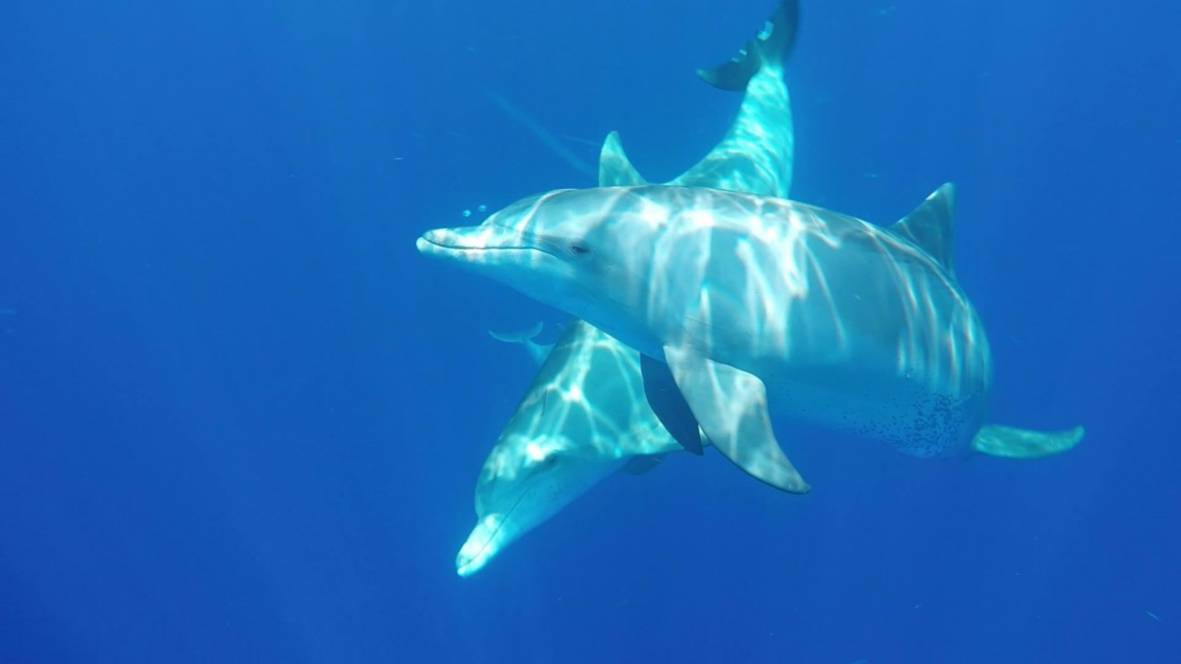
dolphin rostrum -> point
(764, 308)
(585, 415)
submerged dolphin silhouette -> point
(756, 302)
(585, 415)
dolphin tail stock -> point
(771, 45)
(526, 338)
(1013, 443)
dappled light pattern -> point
(584, 416)
(848, 324)
(755, 303)
(520, 485)
(755, 155)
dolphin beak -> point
(453, 243)
(472, 244)
(484, 542)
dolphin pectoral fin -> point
(615, 169)
(518, 337)
(668, 403)
(731, 406)
(639, 465)
(1014, 443)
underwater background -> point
(241, 418)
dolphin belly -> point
(849, 326)
(887, 348)
(902, 413)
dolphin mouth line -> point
(427, 244)
(479, 555)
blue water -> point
(241, 419)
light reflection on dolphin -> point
(585, 415)
(760, 305)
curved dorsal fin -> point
(615, 169)
(930, 227)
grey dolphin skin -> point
(585, 416)
(763, 309)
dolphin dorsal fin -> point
(771, 45)
(615, 169)
(930, 225)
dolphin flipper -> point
(667, 402)
(731, 406)
(770, 45)
(615, 169)
(639, 465)
(1013, 443)
(526, 338)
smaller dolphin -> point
(763, 308)
(584, 418)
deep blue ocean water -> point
(241, 418)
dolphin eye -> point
(538, 456)
(578, 249)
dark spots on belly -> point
(931, 428)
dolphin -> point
(586, 416)
(764, 309)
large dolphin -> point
(763, 308)
(585, 415)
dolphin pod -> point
(746, 309)
(586, 416)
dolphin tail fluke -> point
(771, 45)
(615, 169)
(526, 338)
(1014, 443)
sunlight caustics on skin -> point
(515, 491)
(848, 324)
(604, 372)
(930, 375)
(584, 416)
